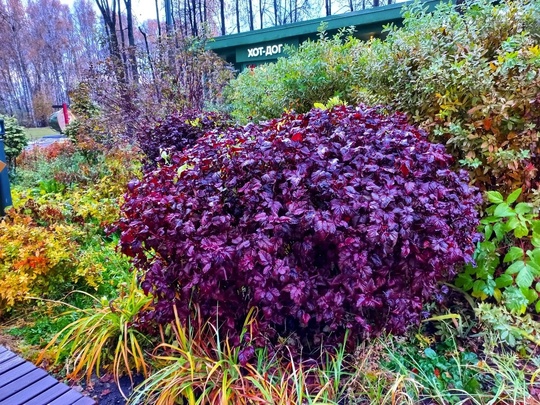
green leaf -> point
(488, 220)
(486, 268)
(495, 197)
(536, 227)
(516, 267)
(499, 230)
(319, 106)
(523, 208)
(515, 300)
(513, 254)
(488, 231)
(530, 294)
(511, 224)
(513, 196)
(487, 246)
(525, 277)
(521, 231)
(535, 256)
(537, 306)
(497, 294)
(536, 240)
(490, 286)
(478, 290)
(430, 353)
(503, 211)
(464, 281)
(478, 286)
(504, 280)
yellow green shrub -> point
(52, 239)
(35, 260)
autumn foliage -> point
(332, 220)
(176, 131)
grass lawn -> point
(35, 133)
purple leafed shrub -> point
(177, 131)
(327, 221)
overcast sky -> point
(142, 9)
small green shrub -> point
(313, 73)
(515, 331)
(508, 259)
(15, 138)
(445, 373)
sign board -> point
(263, 51)
(62, 120)
(2, 166)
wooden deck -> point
(22, 383)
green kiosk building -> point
(253, 48)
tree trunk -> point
(194, 16)
(237, 10)
(151, 63)
(131, 41)
(168, 17)
(222, 14)
(157, 18)
(261, 12)
(109, 19)
(123, 42)
(251, 22)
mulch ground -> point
(105, 390)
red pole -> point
(66, 116)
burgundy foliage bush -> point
(177, 131)
(332, 220)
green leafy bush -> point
(469, 76)
(508, 259)
(15, 138)
(313, 73)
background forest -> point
(50, 47)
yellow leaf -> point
(535, 50)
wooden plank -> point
(85, 401)
(22, 383)
(50, 395)
(18, 385)
(68, 398)
(16, 373)
(21, 397)
(6, 356)
(10, 365)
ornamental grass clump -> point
(326, 221)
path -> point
(22, 383)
